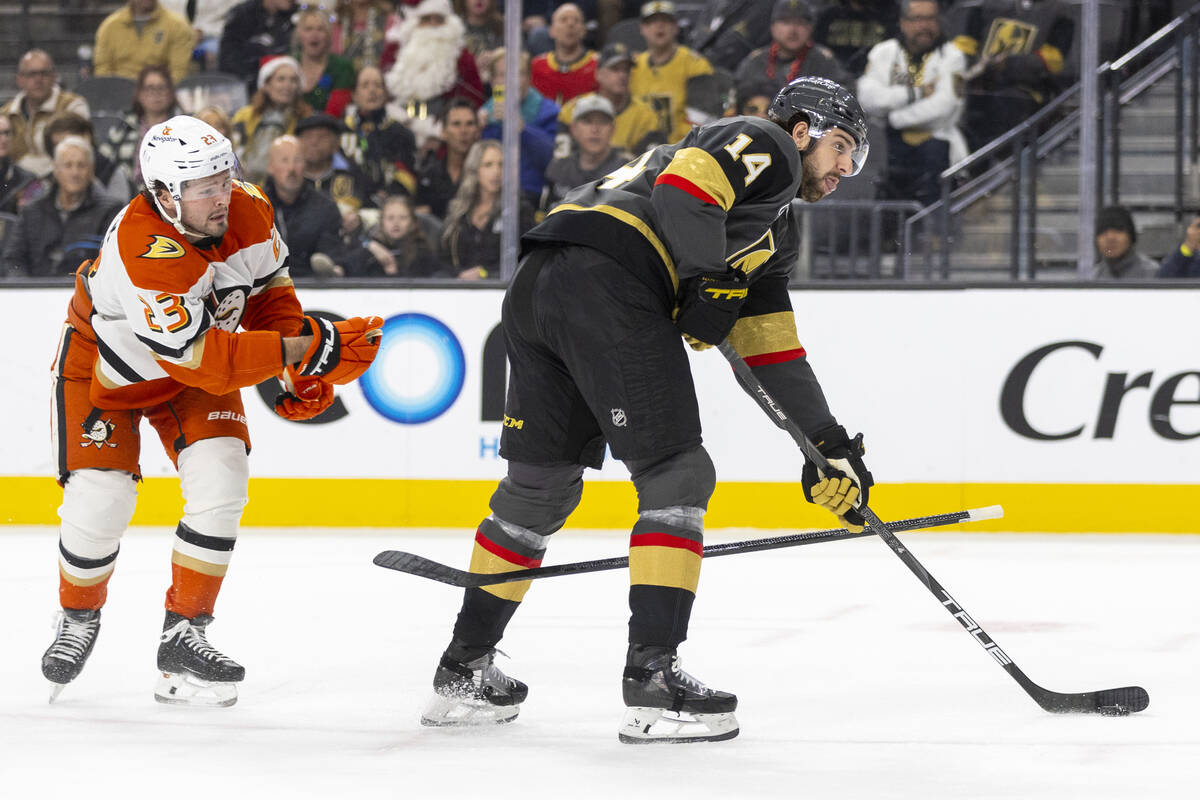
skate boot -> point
(665, 704)
(74, 637)
(469, 689)
(194, 673)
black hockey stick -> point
(1111, 702)
(426, 568)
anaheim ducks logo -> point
(99, 434)
(230, 304)
(163, 247)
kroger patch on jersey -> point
(1074, 386)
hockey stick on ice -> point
(1113, 702)
(426, 568)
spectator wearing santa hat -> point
(274, 110)
(432, 68)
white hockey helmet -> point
(180, 150)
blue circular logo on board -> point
(419, 370)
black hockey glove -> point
(1024, 68)
(843, 488)
(708, 307)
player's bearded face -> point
(826, 162)
(205, 204)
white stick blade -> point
(987, 512)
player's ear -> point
(800, 135)
(164, 199)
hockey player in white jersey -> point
(152, 332)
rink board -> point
(1078, 410)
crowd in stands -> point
(374, 126)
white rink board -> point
(919, 372)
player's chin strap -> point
(177, 221)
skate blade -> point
(658, 725)
(185, 689)
(56, 690)
(459, 712)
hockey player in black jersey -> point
(690, 239)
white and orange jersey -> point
(163, 313)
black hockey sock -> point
(483, 618)
(660, 615)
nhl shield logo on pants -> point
(618, 417)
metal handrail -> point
(1148, 42)
(844, 217)
(1025, 147)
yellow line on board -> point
(338, 502)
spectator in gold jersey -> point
(660, 74)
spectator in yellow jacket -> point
(142, 32)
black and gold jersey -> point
(716, 202)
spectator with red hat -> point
(255, 31)
(432, 68)
(273, 111)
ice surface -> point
(853, 681)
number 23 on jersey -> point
(166, 313)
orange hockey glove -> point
(340, 351)
(304, 398)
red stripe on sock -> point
(683, 184)
(777, 357)
(665, 540)
(505, 553)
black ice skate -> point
(193, 671)
(469, 689)
(74, 637)
(665, 704)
